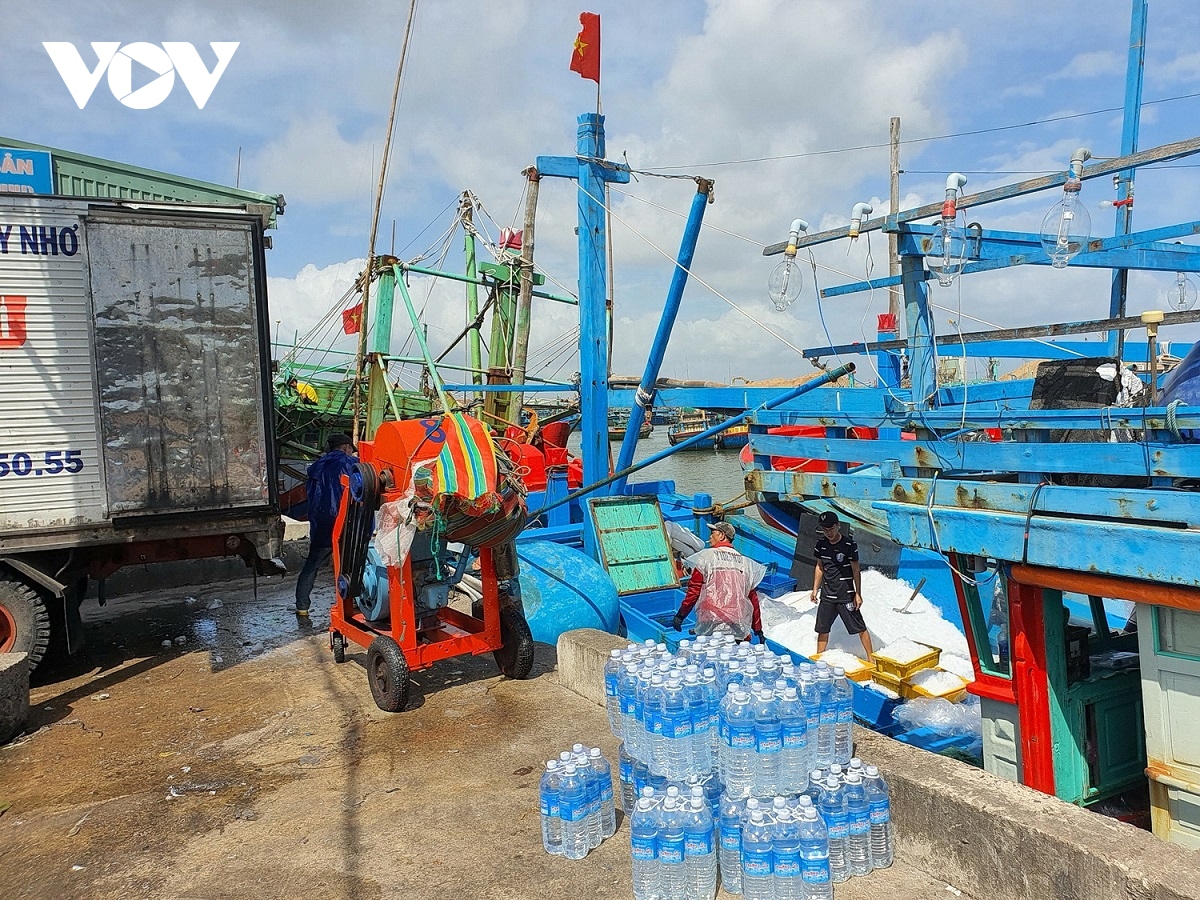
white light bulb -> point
(785, 283)
(1066, 229)
(947, 252)
(1182, 295)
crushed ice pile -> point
(789, 620)
(937, 682)
(904, 651)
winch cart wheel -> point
(337, 644)
(387, 673)
(515, 656)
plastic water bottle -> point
(608, 809)
(785, 857)
(814, 789)
(643, 836)
(631, 723)
(756, 858)
(814, 856)
(612, 697)
(672, 879)
(855, 767)
(793, 732)
(676, 731)
(699, 851)
(625, 765)
(881, 819)
(708, 688)
(551, 814)
(811, 698)
(858, 814)
(843, 738)
(591, 781)
(768, 743)
(572, 806)
(738, 749)
(828, 717)
(833, 810)
(655, 749)
(731, 843)
(697, 704)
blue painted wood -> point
(868, 485)
(1130, 126)
(645, 393)
(590, 171)
(1157, 459)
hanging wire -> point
(692, 274)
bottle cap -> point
(853, 778)
(565, 756)
(832, 782)
(644, 804)
(752, 803)
(697, 803)
(810, 814)
(839, 672)
(710, 672)
(614, 654)
(577, 748)
(835, 769)
(647, 791)
(804, 801)
(672, 791)
(697, 791)
(872, 771)
(670, 803)
(551, 765)
(779, 803)
(855, 762)
(595, 753)
(569, 769)
(756, 816)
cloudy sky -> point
(770, 98)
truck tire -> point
(515, 656)
(24, 622)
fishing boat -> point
(618, 422)
(734, 438)
(693, 422)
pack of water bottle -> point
(578, 808)
(673, 838)
(766, 745)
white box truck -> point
(135, 400)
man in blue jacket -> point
(324, 496)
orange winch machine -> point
(410, 616)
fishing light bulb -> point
(1067, 226)
(947, 252)
(1182, 295)
(787, 280)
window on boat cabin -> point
(1178, 632)
(1106, 619)
(988, 620)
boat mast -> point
(525, 297)
(1124, 178)
(466, 214)
(368, 273)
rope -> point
(1172, 425)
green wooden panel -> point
(633, 543)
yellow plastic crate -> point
(955, 695)
(889, 681)
(887, 666)
(860, 674)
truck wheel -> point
(24, 622)
(338, 644)
(515, 656)
(387, 673)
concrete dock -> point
(243, 762)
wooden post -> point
(525, 296)
(893, 239)
(476, 358)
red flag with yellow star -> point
(585, 59)
(352, 319)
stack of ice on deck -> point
(719, 741)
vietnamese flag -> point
(585, 59)
(352, 319)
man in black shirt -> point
(837, 584)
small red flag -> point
(585, 59)
(352, 319)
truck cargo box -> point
(135, 396)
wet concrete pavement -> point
(243, 762)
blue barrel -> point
(562, 588)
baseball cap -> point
(827, 520)
(339, 440)
(724, 527)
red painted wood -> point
(1027, 638)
